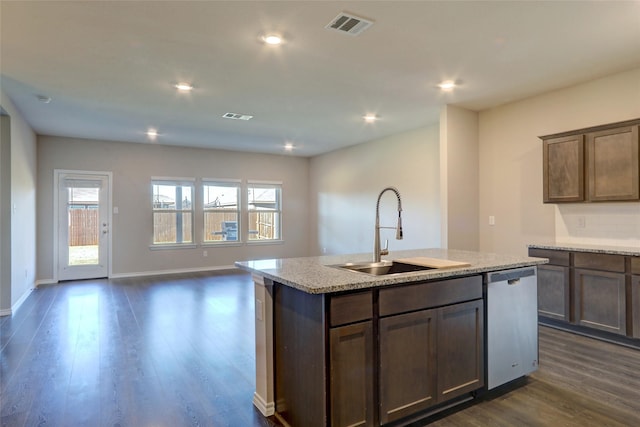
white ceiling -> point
(109, 66)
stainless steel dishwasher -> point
(512, 325)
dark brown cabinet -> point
(351, 359)
(635, 296)
(554, 284)
(599, 291)
(563, 169)
(352, 373)
(600, 300)
(367, 358)
(407, 364)
(590, 292)
(434, 354)
(594, 164)
(613, 164)
(460, 347)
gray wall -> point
(132, 166)
(18, 200)
(345, 185)
(5, 213)
(511, 167)
(459, 172)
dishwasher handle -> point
(512, 276)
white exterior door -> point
(83, 217)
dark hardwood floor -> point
(172, 351)
(178, 351)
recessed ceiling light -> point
(289, 146)
(152, 134)
(370, 118)
(447, 85)
(272, 39)
(183, 87)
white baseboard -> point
(46, 282)
(267, 409)
(16, 306)
(151, 273)
(174, 271)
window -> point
(172, 212)
(265, 211)
(221, 212)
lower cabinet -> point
(374, 357)
(600, 300)
(408, 370)
(429, 357)
(554, 292)
(460, 347)
(635, 305)
(586, 289)
(351, 375)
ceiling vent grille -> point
(236, 116)
(349, 24)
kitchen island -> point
(340, 347)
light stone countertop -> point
(601, 249)
(315, 275)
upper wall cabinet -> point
(564, 169)
(612, 163)
(593, 165)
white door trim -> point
(57, 173)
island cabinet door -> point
(407, 364)
(351, 377)
(460, 344)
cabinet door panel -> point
(351, 378)
(563, 169)
(460, 349)
(635, 305)
(600, 300)
(407, 364)
(553, 292)
(613, 164)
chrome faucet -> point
(377, 252)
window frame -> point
(175, 182)
(237, 184)
(277, 185)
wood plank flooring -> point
(179, 351)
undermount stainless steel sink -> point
(382, 268)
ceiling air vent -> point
(349, 24)
(237, 116)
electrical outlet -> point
(582, 222)
(205, 253)
(492, 220)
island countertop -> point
(317, 275)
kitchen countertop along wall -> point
(602, 249)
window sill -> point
(173, 246)
(221, 244)
(265, 242)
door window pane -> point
(84, 227)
